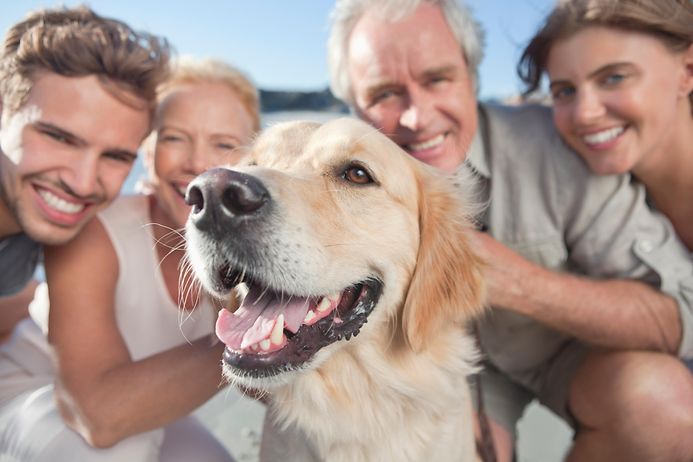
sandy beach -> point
(237, 422)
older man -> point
(591, 292)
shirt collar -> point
(476, 157)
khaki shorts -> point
(505, 397)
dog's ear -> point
(447, 285)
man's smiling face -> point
(65, 154)
(411, 81)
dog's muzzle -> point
(222, 199)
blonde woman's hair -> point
(77, 42)
(186, 70)
(670, 21)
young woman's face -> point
(619, 96)
(198, 126)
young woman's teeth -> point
(603, 136)
(59, 204)
(427, 144)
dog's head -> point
(325, 228)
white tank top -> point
(148, 319)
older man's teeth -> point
(603, 136)
(278, 330)
(59, 204)
(427, 144)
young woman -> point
(621, 77)
(131, 339)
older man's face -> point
(410, 80)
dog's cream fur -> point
(398, 391)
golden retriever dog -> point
(359, 280)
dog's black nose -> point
(221, 197)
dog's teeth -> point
(278, 330)
(265, 344)
(323, 306)
(328, 301)
(310, 315)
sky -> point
(280, 44)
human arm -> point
(612, 313)
(578, 233)
(101, 392)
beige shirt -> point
(546, 205)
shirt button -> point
(645, 246)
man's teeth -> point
(61, 205)
(603, 136)
(427, 144)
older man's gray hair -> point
(346, 13)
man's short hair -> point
(77, 42)
(346, 13)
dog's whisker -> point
(262, 294)
(185, 278)
(171, 234)
(188, 291)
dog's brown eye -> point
(357, 174)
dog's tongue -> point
(254, 319)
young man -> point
(591, 292)
(77, 94)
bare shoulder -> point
(92, 246)
(82, 277)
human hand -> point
(505, 271)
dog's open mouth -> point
(273, 332)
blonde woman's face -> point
(198, 126)
(619, 96)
